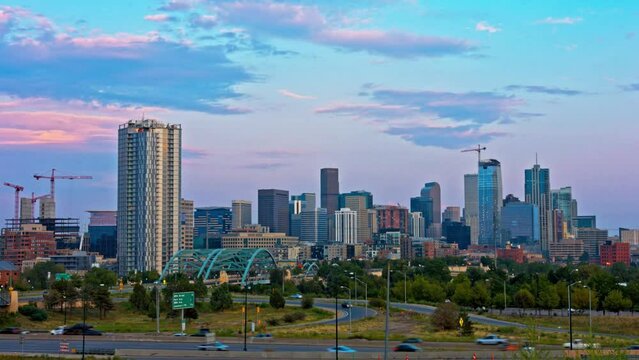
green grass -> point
(609, 324)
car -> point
(579, 344)
(216, 346)
(296, 296)
(341, 349)
(13, 330)
(406, 348)
(347, 305)
(263, 336)
(633, 347)
(413, 341)
(180, 334)
(58, 331)
(202, 332)
(80, 328)
(491, 340)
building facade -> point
(241, 213)
(429, 204)
(210, 223)
(272, 209)
(29, 242)
(346, 226)
(562, 200)
(296, 206)
(416, 224)
(592, 240)
(392, 218)
(314, 226)
(614, 252)
(537, 192)
(360, 202)
(471, 206)
(103, 233)
(149, 193)
(490, 202)
(186, 224)
(452, 213)
(520, 223)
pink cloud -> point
(484, 26)
(179, 5)
(159, 18)
(293, 95)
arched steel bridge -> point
(242, 266)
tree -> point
(445, 316)
(97, 276)
(101, 298)
(139, 298)
(580, 299)
(307, 301)
(67, 292)
(221, 298)
(548, 298)
(615, 301)
(463, 295)
(38, 275)
(524, 299)
(481, 295)
(276, 299)
(467, 325)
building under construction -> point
(66, 231)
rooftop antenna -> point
(536, 160)
(478, 149)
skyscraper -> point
(241, 213)
(471, 206)
(537, 192)
(392, 218)
(490, 202)
(186, 224)
(346, 226)
(329, 189)
(272, 209)
(149, 189)
(452, 213)
(103, 233)
(416, 225)
(562, 200)
(359, 201)
(210, 223)
(520, 223)
(298, 204)
(429, 204)
(313, 226)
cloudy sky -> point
(268, 92)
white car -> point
(491, 340)
(579, 344)
(296, 296)
(58, 331)
(216, 346)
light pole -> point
(350, 311)
(246, 289)
(84, 318)
(157, 308)
(64, 308)
(365, 293)
(589, 310)
(387, 311)
(570, 311)
(504, 295)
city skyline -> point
(281, 81)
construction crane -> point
(18, 189)
(478, 149)
(54, 176)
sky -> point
(268, 92)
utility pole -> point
(387, 311)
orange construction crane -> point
(54, 176)
(478, 149)
(18, 189)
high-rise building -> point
(416, 225)
(313, 226)
(584, 222)
(456, 232)
(520, 223)
(272, 209)
(329, 190)
(359, 201)
(490, 202)
(26, 208)
(452, 213)
(346, 226)
(562, 200)
(592, 240)
(47, 207)
(429, 204)
(149, 193)
(103, 233)
(28, 242)
(471, 206)
(186, 224)
(210, 223)
(629, 236)
(612, 252)
(392, 218)
(297, 205)
(537, 192)
(241, 213)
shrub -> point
(293, 317)
(276, 299)
(445, 316)
(307, 302)
(27, 310)
(377, 303)
(39, 315)
(273, 322)
(221, 298)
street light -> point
(589, 309)
(246, 289)
(365, 293)
(387, 312)
(350, 311)
(570, 310)
(64, 308)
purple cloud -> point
(630, 87)
(179, 5)
(544, 90)
(202, 21)
(560, 21)
(444, 137)
(160, 18)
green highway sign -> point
(183, 300)
(62, 276)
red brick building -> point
(515, 254)
(392, 218)
(9, 274)
(614, 252)
(27, 243)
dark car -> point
(413, 341)
(346, 305)
(12, 330)
(633, 347)
(79, 329)
(202, 332)
(406, 348)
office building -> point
(592, 240)
(346, 226)
(629, 236)
(562, 200)
(520, 223)
(297, 205)
(429, 204)
(537, 192)
(392, 218)
(149, 193)
(416, 225)
(490, 202)
(210, 223)
(567, 249)
(329, 190)
(456, 232)
(253, 240)
(272, 209)
(9, 273)
(360, 202)
(509, 252)
(76, 261)
(27, 242)
(103, 233)
(452, 213)
(584, 222)
(614, 252)
(241, 213)
(471, 206)
(314, 226)
(186, 224)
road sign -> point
(183, 300)
(64, 347)
(62, 276)
(461, 322)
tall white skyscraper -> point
(149, 189)
(416, 224)
(471, 206)
(241, 213)
(346, 226)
